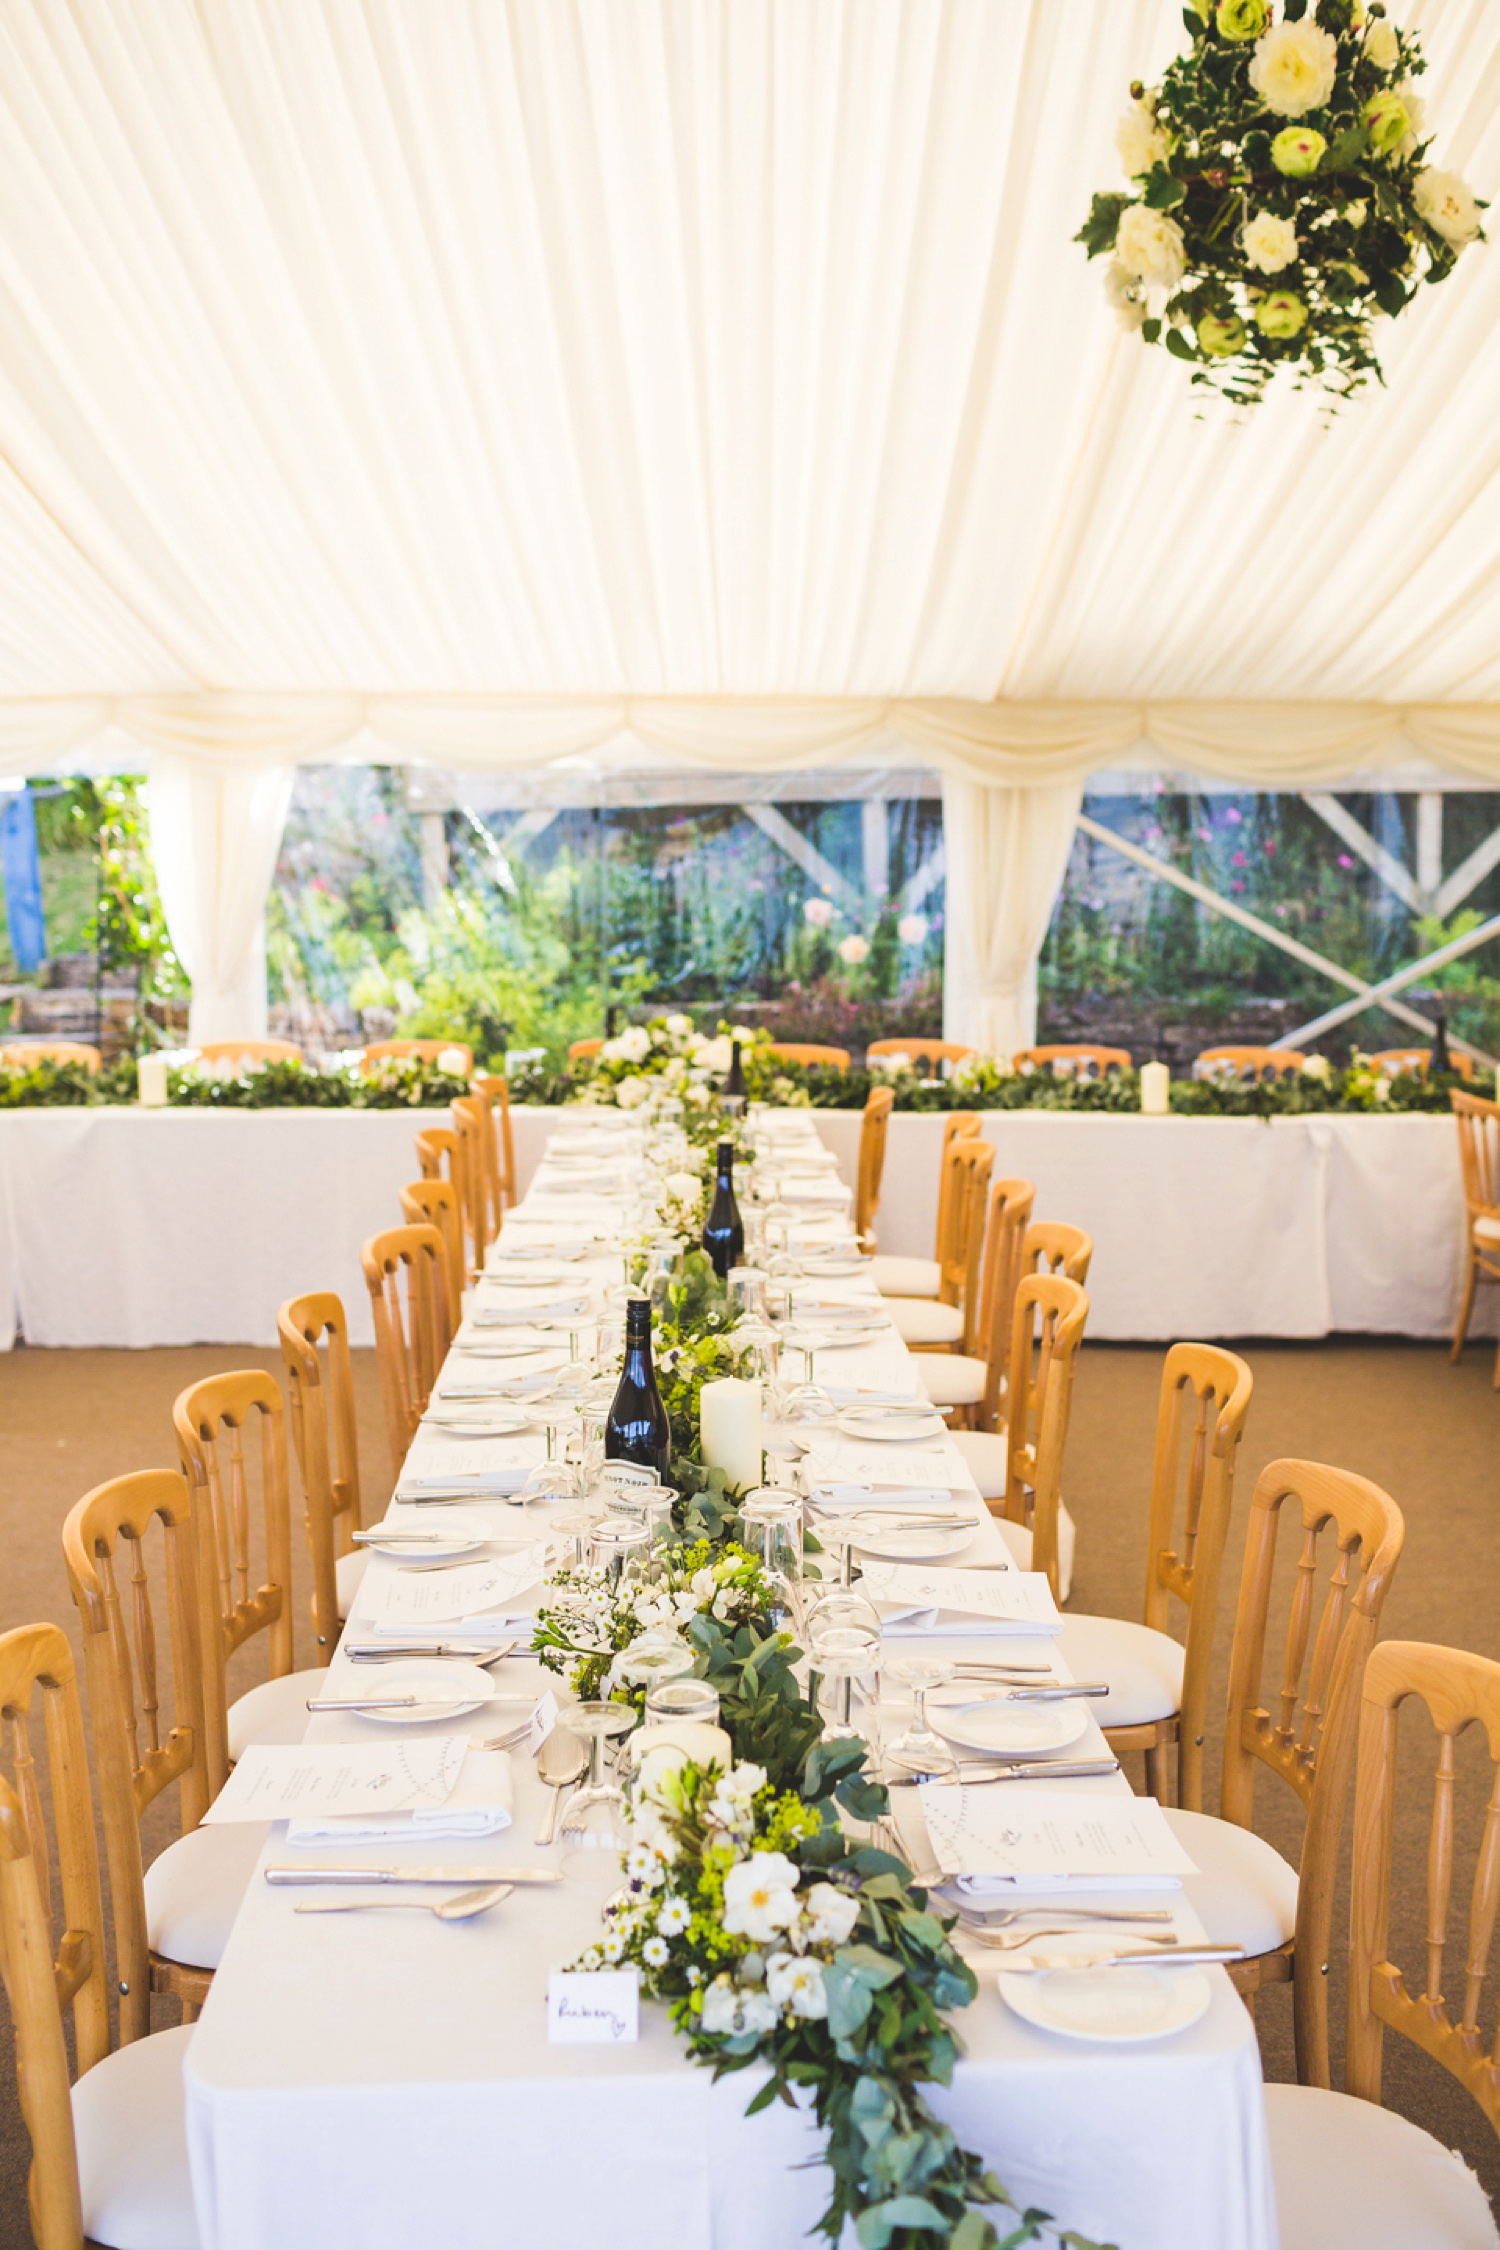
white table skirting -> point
(128, 1227)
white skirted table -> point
(385, 2082)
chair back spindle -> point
(405, 1272)
(872, 1137)
(1010, 1205)
(314, 1337)
(1050, 1316)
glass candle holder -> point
(682, 1699)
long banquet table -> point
(131, 1227)
(385, 2081)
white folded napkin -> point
(493, 1626)
(479, 1806)
(489, 1315)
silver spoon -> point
(462, 1907)
(560, 1760)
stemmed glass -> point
(556, 1477)
(921, 1749)
(773, 1534)
(806, 1402)
(595, 1816)
(619, 1546)
(843, 1640)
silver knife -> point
(1168, 1957)
(287, 1875)
(410, 1702)
(477, 1652)
(1059, 1769)
(1056, 1691)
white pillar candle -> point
(729, 1422)
(151, 1081)
(665, 1746)
(1156, 1079)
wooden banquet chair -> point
(411, 1342)
(1245, 1892)
(1478, 1124)
(443, 1155)
(1159, 1686)
(1396, 1062)
(950, 1321)
(923, 1277)
(24, 1054)
(434, 1203)
(1349, 2173)
(496, 1088)
(474, 1126)
(248, 1051)
(929, 1051)
(1052, 1246)
(1247, 1062)
(211, 1415)
(1072, 1058)
(803, 1051)
(1050, 1317)
(403, 1050)
(874, 1125)
(109, 2161)
(171, 1919)
(314, 1338)
(973, 1384)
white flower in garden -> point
(1125, 294)
(1382, 47)
(760, 1896)
(718, 1054)
(742, 1033)
(1140, 140)
(820, 912)
(854, 950)
(1268, 243)
(832, 1915)
(631, 1092)
(633, 1044)
(1294, 66)
(1447, 203)
(1150, 244)
(679, 1026)
(912, 929)
(796, 1984)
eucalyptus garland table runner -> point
(462, 2121)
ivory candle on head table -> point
(729, 1418)
(1156, 1081)
(151, 1081)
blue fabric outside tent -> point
(21, 866)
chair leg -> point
(1464, 1310)
(1156, 1772)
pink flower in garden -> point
(1232, 814)
(1236, 886)
(1239, 860)
(1345, 860)
(1270, 843)
(1205, 835)
(819, 912)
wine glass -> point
(652, 1505)
(772, 1518)
(806, 1403)
(921, 1749)
(595, 1817)
(843, 1640)
(651, 1662)
(555, 1477)
(573, 1535)
(619, 1546)
(745, 1287)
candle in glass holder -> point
(1156, 1082)
(151, 1081)
(729, 1419)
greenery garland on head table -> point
(1280, 196)
(776, 1942)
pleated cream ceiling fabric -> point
(706, 349)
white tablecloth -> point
(385, 2082)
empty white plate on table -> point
(499, 1421)
(527, 1253)
(832, 1269)
(444, 1674)
(499, 1349)
(891, 1425)
(462, 1531)
(1009, 1729)
(840, 1339)
(935, 1545)
(1119, 2006)
(535, 1276)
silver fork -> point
(1000, 1917)
(501, 1741)
(1018, 1940)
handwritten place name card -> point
(434, 1597)
(593, 2008)
(913, 1598)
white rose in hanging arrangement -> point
(1279, 146)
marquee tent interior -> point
(411, 382)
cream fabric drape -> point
(1006, 850)
(214, 839)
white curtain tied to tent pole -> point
(214, 838)
(1006, 850)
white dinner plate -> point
(463, 1532)
(527, 1254)
(535, 1276)
(1118, 2006)
(443, 1672)
(497, 1348)
(936, 1545)
(502, 1421)
(833, 1269)
(891, 1425)
(1010, 1729)
(841, 1339)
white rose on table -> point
(727, 2010)
(820, 912)
(760, 1896)
(796, 1984)
(1294, 66)
(1382, 47)
(854, 950)
(633, 1044)
(1150, 244)
(831, 1913)
(1140, 140)
(1125, 294)
(631, 1092)
(680, 1026)
(453, 1063)
(1447, 203)
(1318, 1067)
(1268, 243)
(715, 1054)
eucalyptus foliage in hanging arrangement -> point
(1281, 196)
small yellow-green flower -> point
(1281, 312)
(1241, 19)
(1221, 335)
(1297, 151)
(1386, 121)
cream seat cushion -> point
(919, 1321)
(1244, 1891)
(984, 1453)
(194, 1888)
(131, 2132)
(1350, 2176)
(1017, 1539)
(906, 1277)
(1143, 1668)
(953, 1379)
(276, 1711)
(348, 1570)
(1486, 1230)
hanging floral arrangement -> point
(1281, 196)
